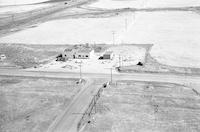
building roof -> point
(68, 50)
(78, 49)
(84, 50)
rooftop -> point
(68, 50)
(84, 50)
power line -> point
(113, 35)
(119, 60)
(126, 24)
(111, 74)
(111, 77)
(122, 61)
(80, 65)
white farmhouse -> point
(84, 53)
(78, 53)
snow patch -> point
(116, 4)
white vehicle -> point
(2, 57)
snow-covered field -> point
(19, 2)
(175, 35)
(113, 4)
(131, 56)
(72, 31)
(20, 8)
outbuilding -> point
(69, 53)
(108, 55)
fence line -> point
(91, 107)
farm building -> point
(77, 53)
(108, 55)
(84, 53)
(69, 54)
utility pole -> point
(80, 65)
(119, 61)
(113, 35)
(111, 75)
(122, 61)
(134, 17)
(126, 24)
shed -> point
(108, 55)
(68, 54)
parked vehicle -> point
(2, 57)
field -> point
(116, 4)
(10, 10)
(25, 56)
(177, 33)
(129, 106)
(72, 31)
(32, 104)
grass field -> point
(32, 104)
(146, 107)
(25, 56)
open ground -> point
(32, 104)
(146, 107)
